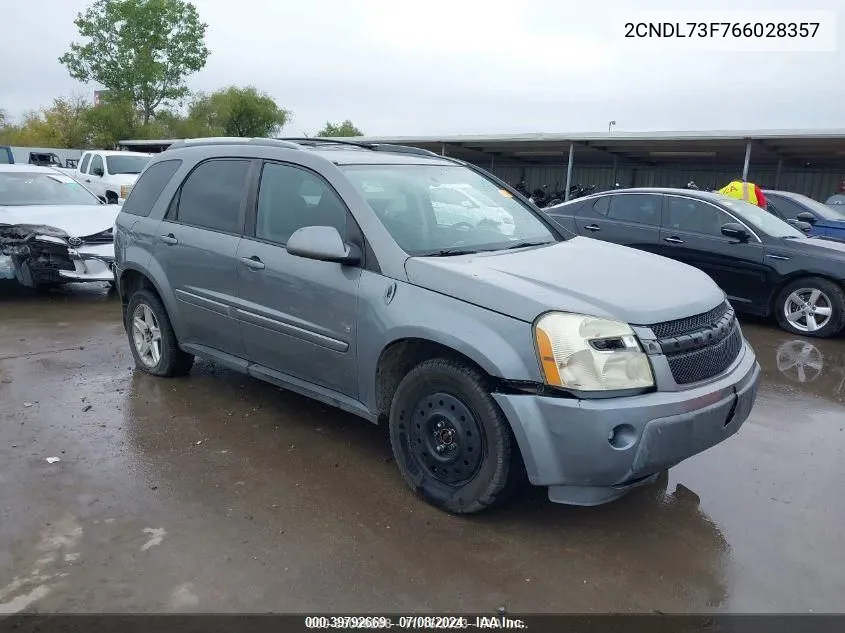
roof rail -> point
(318, 140)
(376, 147)
(233, 140)
(403, 149)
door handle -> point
(778, 257)
(168, 239)
(592, 227)
(87, 180)
(253, 262)
(673, 240)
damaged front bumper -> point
(90, 263)
(36, 255)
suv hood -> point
(579, 275)
(79, 221)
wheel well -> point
(400, 357)
(779, 288)
(131, 281)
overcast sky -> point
(402, 67)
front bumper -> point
(592, 451)
(91, 263)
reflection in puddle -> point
(800, 361)
(804, 362)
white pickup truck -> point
(110, 174)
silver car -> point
(321, 266)
(52, 229)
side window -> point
(602, 206)
(96, 163)
(212, 194)
(83, 168)
(786, 208)
(694, 216)
(639, 208)
(290, 198)
(146, 191)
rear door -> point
(630, 219)
(196, 246)
(692, 233)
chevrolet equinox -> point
(492, 349)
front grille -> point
(707, 362)
(689, 324)
(700, 346)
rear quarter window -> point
(147, 190)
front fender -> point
(501, 345)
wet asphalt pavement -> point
(217, 492)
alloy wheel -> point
(808, 309)
(146, 335)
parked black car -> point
(763, 264)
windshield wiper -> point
(526, 244)
(446, 252)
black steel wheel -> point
(446, 438)
(451, 442)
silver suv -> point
(322, 266)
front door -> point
(196, 247)
(630, 219)
(297, 316)
(692, 233)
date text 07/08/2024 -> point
(766, 30)
(414, 622)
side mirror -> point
(735, 231)
(98, 171)
(806, 216)
(803, 226)
(322, 243)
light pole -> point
(610, 125)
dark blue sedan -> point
(794, 207)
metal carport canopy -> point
(818, 148)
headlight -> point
(588, 353)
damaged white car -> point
(52, 229)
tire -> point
(479, 465)
(170, 360)
(828, 297)
(110, 195)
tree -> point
(141, 50)
(67, 122)
(236, 111)
(113, 120)
(64, 124)
(340, 129)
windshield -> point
(127, 164)
(760, 219)
(24, 189)
(418, 205)
(828, 213)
